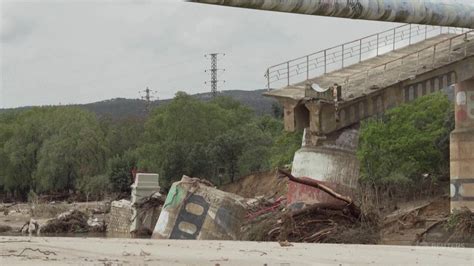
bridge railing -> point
(408, 66)
(338, 57)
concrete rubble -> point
(119, 219)
(73, 221)
(137, 218)
(196, 210)
(145, 185)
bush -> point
(285, 147)
(94, 187)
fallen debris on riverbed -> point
(194, 209)
(30, 227)
(320, 222)
(73, 221)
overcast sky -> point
(61, 52)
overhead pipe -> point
(453, 13)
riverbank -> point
(60, 250)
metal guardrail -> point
(338, 57)
(407, 66)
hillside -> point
(120, 107)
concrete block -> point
(119, 219)
(145, 185)
(196, 211)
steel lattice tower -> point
(214, 70)
(148, 97)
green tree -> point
(7, 121)
(191, 137)
(94, 187)
(226, 150)
(25, 134)
(122, 135)
(119, 171)
(284, 148)
(277, 110)
(407, 142)
(75, 149)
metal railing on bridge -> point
(338, 57)
(409, 66)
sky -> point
(71, 51)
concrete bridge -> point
(328, 92)
(364, 78)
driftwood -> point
(316, 185)
(419, 237)
(11, 205)
(30, 227)
(354, 210)
(318, 206)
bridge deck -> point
(375, 85)
(384, 70)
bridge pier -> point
(462, 148)
(330, 160)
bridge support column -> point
(462, 148)
(332, 162)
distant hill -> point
(121, 107)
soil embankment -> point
(259, 184)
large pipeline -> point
(454, 13)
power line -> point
(214, 70)
(148, 97)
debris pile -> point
(259, 211)
(30, 227)
(73, 221)
(153, 201)
(146, 204)
(263, 206)
(5, 208)
(5, 228)
(454, 229)
(321, 222)
(463, 223)
(147, 210)
(317, 223)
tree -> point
(122, 135)
(406, 143)
(75, 149)
(277, 110)
(24, 135)
(197, 138)
(284, 148)
(6, 133)
(119, 171)
(226, 150)
(94, 186)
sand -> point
(102, 251)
